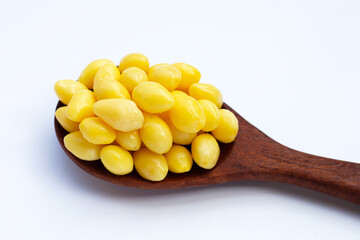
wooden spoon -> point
(252, 156)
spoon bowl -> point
(252, 156)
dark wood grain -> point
(252, 156)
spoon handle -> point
(334, 177)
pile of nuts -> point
(133, 115)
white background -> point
(292, 68)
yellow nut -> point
(88, 74)
(120, 114)
(108, 71)
(108, 88)
(65, 89)
(180, 137)
(168, 76)
(151, 166)
(117, 160)
(189, 75)
(152, 97)
(187, 114)
(96, 131)
(228, 127)
(178, 92)
(129, 140)
(131, 77)
(206, 91)
(212, 115)
(64, 121)
(81, 106)
(152, 68)
(179, 159)
(78, 146)
(205, 151)
(134, 60)
(156, 134)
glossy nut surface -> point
(187, 114)
(180, 137)
(206, 91)
(131, 77)
(120, 114)
(178, 92)
(189, 75)
(167, 75)
(228, 127)
(88, 74)
(179, 159)
(108, 88)
(134, 60)
(117, 160)
(156, 134)
(64, 121)
(152, 68)
(205, 150)
(152, 97)
(96, 131)
(77, 145)
(65, 89)
(212, 115)
(81, 106)
(150, 165)
(129, 140)
(108, 71)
